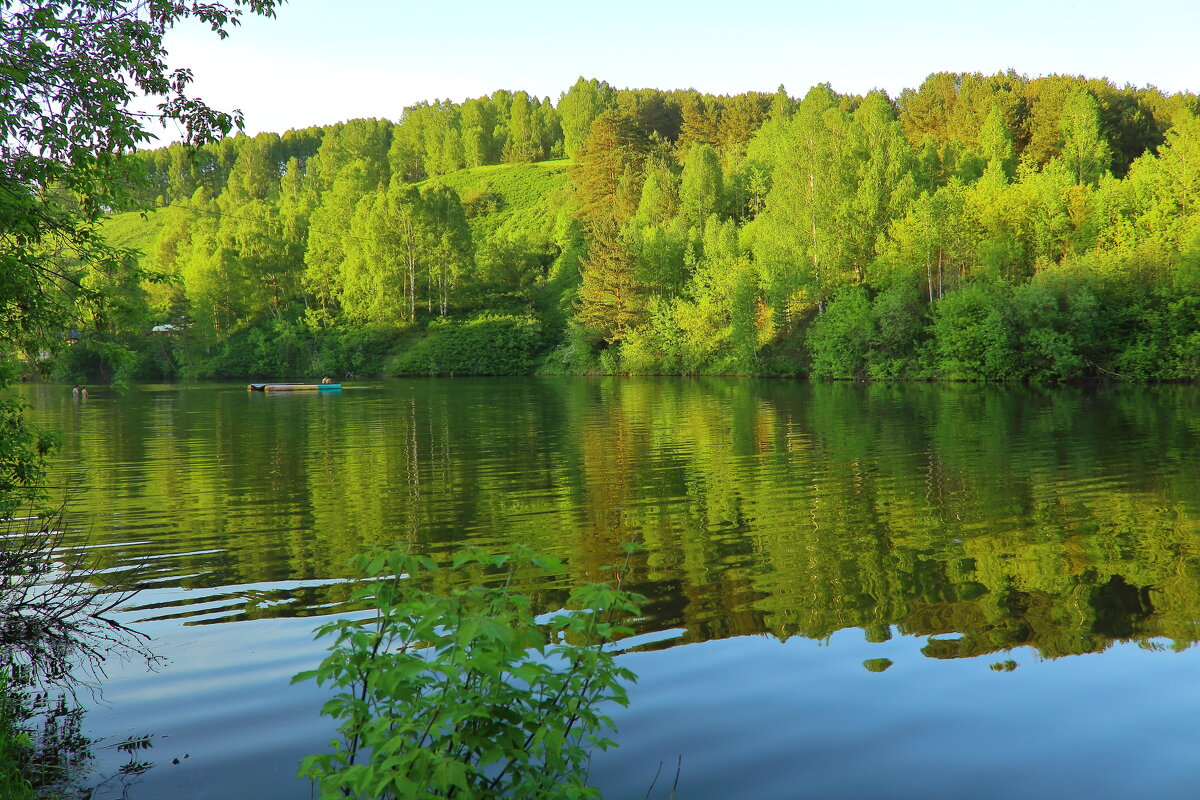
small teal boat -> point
(293, 387)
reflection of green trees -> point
(985, 518)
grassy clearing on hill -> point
(135, 230)
(509, 199)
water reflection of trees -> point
(987, 518)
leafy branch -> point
(464, 692)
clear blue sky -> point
(321, 61)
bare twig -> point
(55, 623)
(653, 782)
(678, 769)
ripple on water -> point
(832, 570)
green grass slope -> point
(506, 199)
(134, 230)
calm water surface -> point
(856, 591)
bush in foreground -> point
(465, 693)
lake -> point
(855, 591)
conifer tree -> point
(701, 122)
(607, 178)
(614, 149)
(742, 116)
(611, 298)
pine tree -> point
(607, 178)
(611, 298)
(614, 149)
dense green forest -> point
(978, 227)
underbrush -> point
(485, 344)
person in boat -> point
(326, 380)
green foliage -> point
(484, 344)
(968, 181)
(72, 86)
(860, 337)
(576, 354)
(900, 325)
(996, 146)
(579, 108)
(464, 691)
(839, 339)
(14, 746)
(702, 190)
(1058, 329)
(1084, 149)
(290, 349)
(974, 334)
(63, 164)
(23, 449)
(43, 752)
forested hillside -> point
(978, 227)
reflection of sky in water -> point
(751, 716)
(962, 527)
(754, 717)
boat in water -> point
(293, 387)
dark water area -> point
(911, 591)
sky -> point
(324, 61)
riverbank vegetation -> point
(977, 227)
(13, 783)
